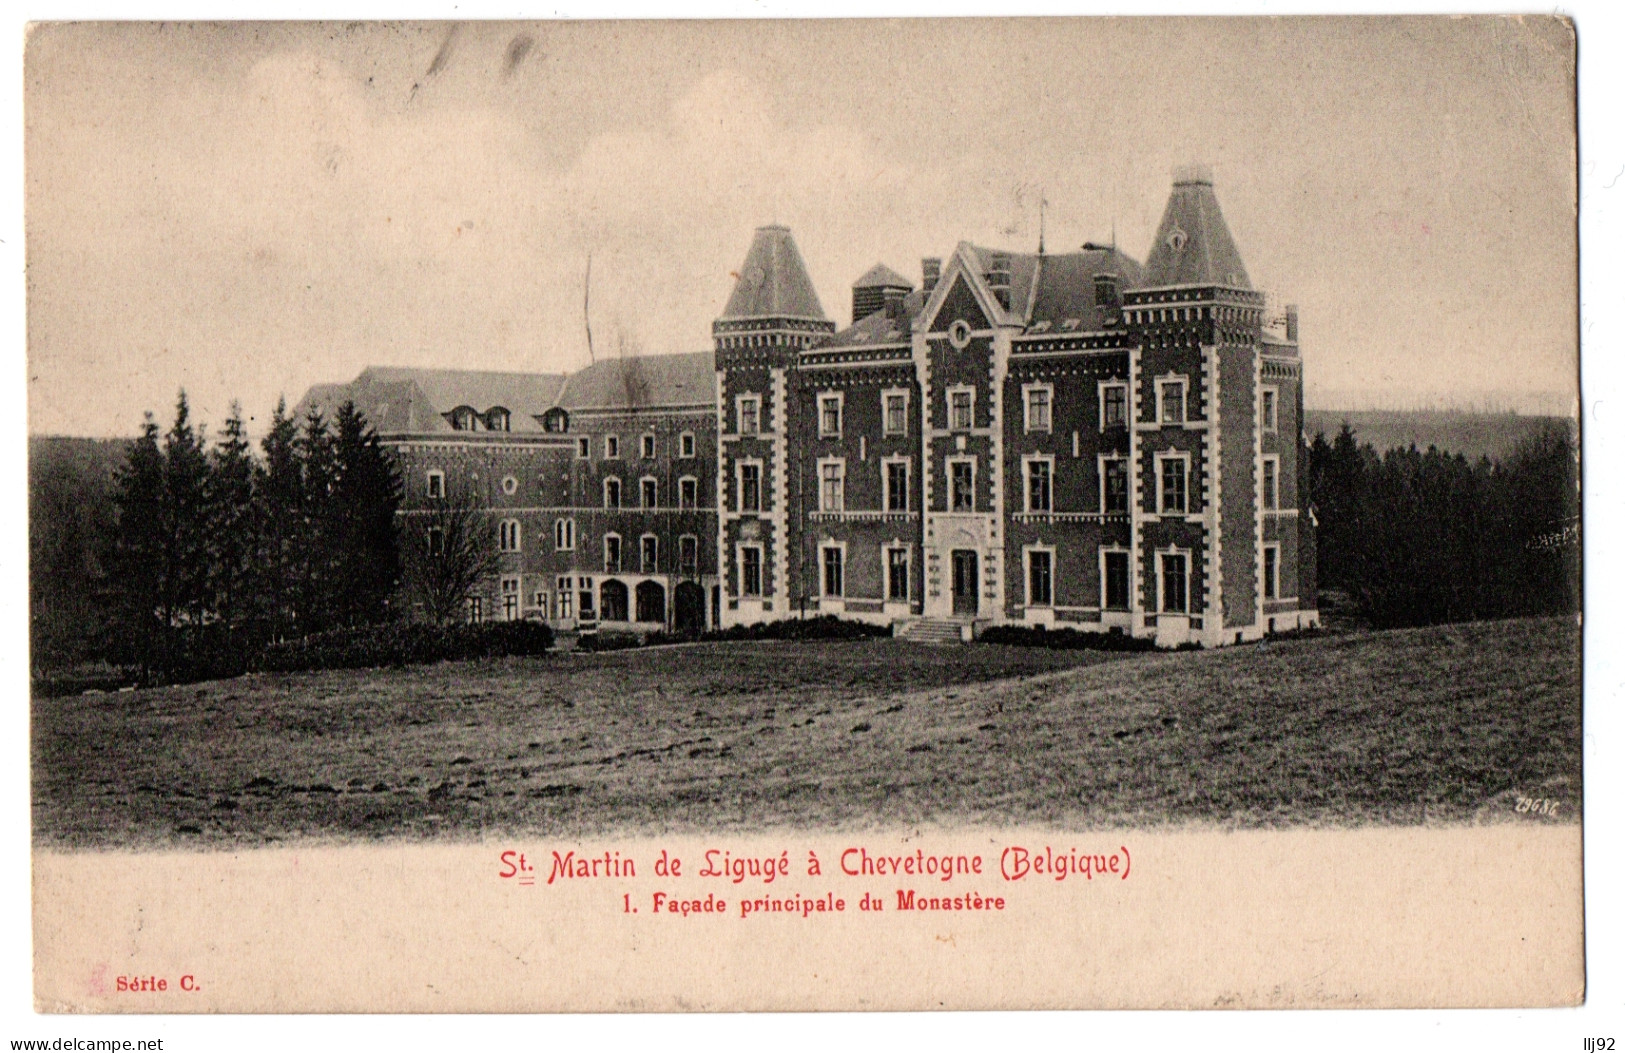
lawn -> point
(1448, 724)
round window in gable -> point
(510, 486)
(1177, 239)
(959, 334)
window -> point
(649, 491)
(612, 446)
(831, 486)
(897, 575)
(829, 416)
(566, 598)
(1113, 405)
(959, 334)
(435, 485)
(1172, 566)
(649, 446)
(1038, 406)
(1171, 401)
(834, 568)
(585, 595)
(685, 445)
(510, 599)
(688, 492)
(750, 570)
(688, 556)
(1039, 581)
(1272, 567)
(564, 535)
(648, 553)
(1270, 485)
(475, 607)
(750, 487)
(498, 419)
(508, 535)
(584, 447)
(1171, 486)
(1038, 484)
(1268, 412)
(961, 409)
(1114, 485)
(962, 486)
(510, 485)
(750, 414)
(896, 412)
(612, 492)
(897, 486)
(462, 419)
(612, 554)
(1116, 580)
(436, 542)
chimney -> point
(1291, 323)
(998, 279)
(931, 269)
(1106, 294)
(894, 298)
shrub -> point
(608, 640)
(405, 643)
(823, 627)
(1063, 639)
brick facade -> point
(1073, 439)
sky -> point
(245, 210)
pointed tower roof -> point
(881, 276)
(773, 282)
(1193, 246)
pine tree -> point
(185, 520)
(234, 527)
(138, 561)
(364, 537)
(279, 518)
(315, 569)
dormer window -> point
(497, 419)
(556, 420)
(463, 418)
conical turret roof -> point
(773, 282)
(1193, 246)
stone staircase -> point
(932, 631)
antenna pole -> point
(586, 309)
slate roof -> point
(773, 281)
(1193, 245)
(643, 380)
(401, 401)
(881, 276)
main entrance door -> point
(965, 584)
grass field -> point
(1448, 724)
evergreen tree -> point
(234, 526)
(363, 539)
(138, 559)
(279, 516)
(185, 520)
(316, 571)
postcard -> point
(1052, 513)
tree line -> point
(1421, 537)
(218, 551)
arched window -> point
(612, 492)
(508, 535)
(564, 535)
(496, 419)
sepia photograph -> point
(905, 499)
